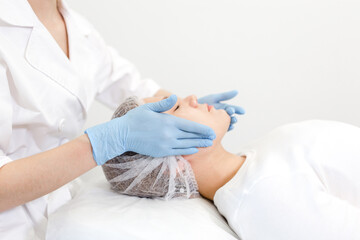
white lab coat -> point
(44, 97)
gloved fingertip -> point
(208, 143)
(235, 92)
(188, 151)
(163, 105)
(229, 95)
(193, 151)
(230, 110)
(171, 100)
(231, 127)
(233, 120)
(210, 133)
(241, 111)
(172, 96)
(212, 136)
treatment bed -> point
(97, 212)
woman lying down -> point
(300, 181)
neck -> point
(46, 10)
(214, 169)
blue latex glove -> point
(147, 131)
(215, 100)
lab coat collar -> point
(45, 55)
(16, 13)
(42, 51)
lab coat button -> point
(61, 125)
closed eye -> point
(177, 108)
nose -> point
(193, 101)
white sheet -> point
(96, 212)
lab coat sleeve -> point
(117, 77)
(124, 81)
(274, 209)
(6, 114)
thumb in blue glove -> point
(147, 131)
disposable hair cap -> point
(144, 176)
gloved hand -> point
(147, 131)
(215, 100)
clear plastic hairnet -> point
(144, 176)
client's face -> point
(188, 108)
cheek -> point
(192, 115)
(224, 120)
(219, 121)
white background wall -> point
(290, 60)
